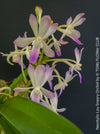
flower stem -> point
(61, 60)
(61, 26)
(25, 79)
(6, 94)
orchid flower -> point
(57, 44)
(41, 30)
(53, 104)
(77, 66)
(39, 77)
(17, 54)
(68, 77)
(17, 59)
(70, 31)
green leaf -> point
(28, 117)
(8, 128)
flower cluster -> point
(39, 51)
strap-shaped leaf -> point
(8, 128)
(28, 117)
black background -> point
(79, 99)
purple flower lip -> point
(34, 54)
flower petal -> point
(51, 30)
(50, 83)
(75, 33)
(69, 21)
(47, 74)
(48, 51)
(39, 75)
(47, 93)
(61, 110)
(75, 39)
(34, 54)
(33, 23)
(77, 54)
(31, 74)
(23, 42)
(81, 53)
(51, 78)
(61, 90)
(79, 22)
(44, 25)
(78, 17)
(80, 76)
(35, 96)
(62, 42)
(54, 102)
(25, 35)
(19, 89)
(57, 49)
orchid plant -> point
(40, 50)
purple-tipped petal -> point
(76, 39)
(34, 54)
(61, 90)
(25, 35)
(69, 21)
(77, 54)
(51, 30)
(33, 23)
(67, 75)
(47, 93)
(48, 51)
(50, 84)
(58, 50)
(47, 75)
(61, 110)
(78, 17)
(39, 75)
(79, 22)
(23, 42)
(31, 74)
(80, 76)
(19, 89)
(51, 78)
(81, 53)
(35, 96)
(62, 42)
(44, 25)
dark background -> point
(79, 99)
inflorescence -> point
(38, 50)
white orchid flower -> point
(42, 28)
(39, 77)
